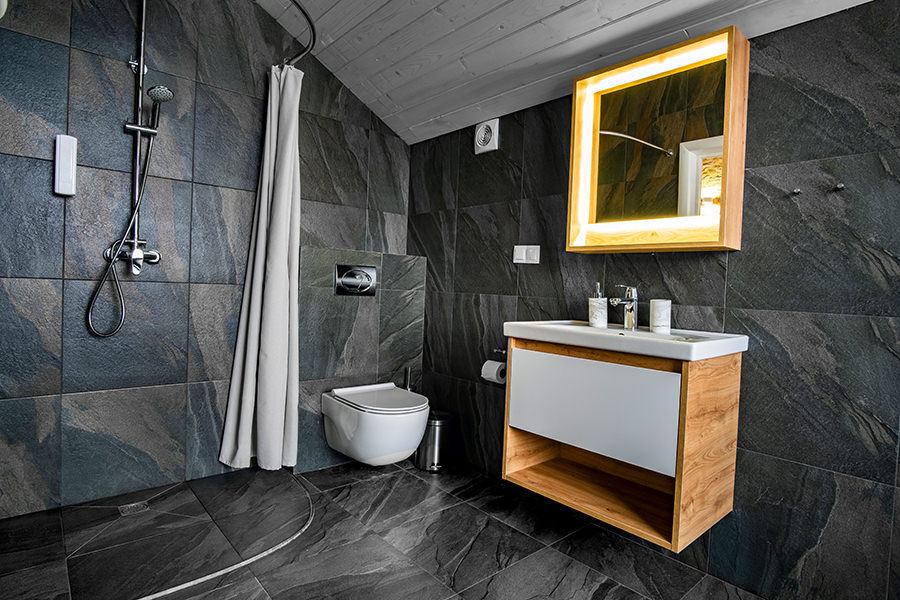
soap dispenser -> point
(597, 308)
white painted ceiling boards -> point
(427, 67)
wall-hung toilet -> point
(375, 424)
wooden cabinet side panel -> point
(704, 486)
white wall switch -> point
(66, 165)
(528, 255)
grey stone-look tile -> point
(560, 273)
(172, 37)
(105, 27)
(822, 250)
(317, 265)
(711, 588)
(355, 472)
(434, 174)
(894, 572)
(29, 455)
(238, 42)
(156, 323)
(551, 575)
(190, 552)
(493, 176)
(118, 441)
(233, 587)
(808, 378)
(703, 318)
(255, 509)
(696, 554)
(386, 232)
(45, 582)
(384, 503)
(333, 225)
(388, 173)
(339, 333)
(547, 140)
(461, 545)
(477, 330)
(544, 520)
(239, 119)
(173, 148)
(694, 278)
(825, 89)
(205, 418)
(801, 532)
(33, 101)
(97, 216)
(401, 331)
(32, 230)
(365, 567)
(433, 235)
(46, 19)
(324, 95)
(220, 234)
(30, 339)
(313, 451)
(541, 309)
(402, 272)
(643, 570)
(30, 540)
(334, 159)
(438, 331)
(101, 101)
(215, 311)
(99, 525)
(485, 236)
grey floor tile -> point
(640, 569)
(327, 479)
(49, 581)
(30, 540)
(461, 545)
(711, 588)
(387, 502)
(549, 575)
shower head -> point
(160, 94)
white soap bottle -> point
(597, 308)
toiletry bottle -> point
(597, 308)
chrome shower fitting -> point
(130, 247)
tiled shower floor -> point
(377, 533)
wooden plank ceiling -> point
(427, 67)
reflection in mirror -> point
(660, 146)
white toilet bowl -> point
(375, 424)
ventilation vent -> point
(487, 136)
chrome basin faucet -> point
(630, 303)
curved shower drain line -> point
(243, 563)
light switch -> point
(66, 165)
(528, 255)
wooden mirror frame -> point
(671, 233)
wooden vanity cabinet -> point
(643, 443)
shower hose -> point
(114, 258)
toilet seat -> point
(381, 399)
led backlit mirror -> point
(658, 150)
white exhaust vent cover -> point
(487, 136)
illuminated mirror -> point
(658, 150)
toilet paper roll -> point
(493, 370)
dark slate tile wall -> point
(82, 417)
(815, 287)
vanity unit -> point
(636, 429)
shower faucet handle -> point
(137, 260)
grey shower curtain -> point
(261, 419)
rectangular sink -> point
(681, 344)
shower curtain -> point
(261, 418)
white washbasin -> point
(681, 344)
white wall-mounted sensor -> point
(66, 165)
(487, 136)
(527, 255)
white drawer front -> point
(627, 413)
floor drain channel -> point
(133, 508)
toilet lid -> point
(385, 398)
